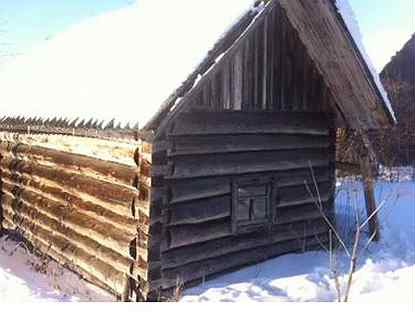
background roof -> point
(120, 65)
(123, 65)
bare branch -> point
(375, 212)
(353, 262)
(319, 205)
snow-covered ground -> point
(25, 278)
(385, 271)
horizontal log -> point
(191, 234)
(198, 188)
(250, 123)
(104, 233)
(243, 163)
(223, 246)
(307, 212)
(103, 272)
(124, 222)
(107, 255)
(300, 192)
(7, 223)
(213, 208)
(196, 145)
(104, 169)
(112, 193)
(67, 263)
(301, 202)
(218, 207)
(193, 271)
(195, 189)
(45, 249)
(200, 211)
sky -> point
(27, 23)
(386, 24)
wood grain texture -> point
(77, 256)
(105, 191)
(337, 58)
(247, 162)
(206, 153)
(210, 266)
(214, 144)
(123, 220)
(222, 246)
(77, 209)
(110, 171)
(257, 123)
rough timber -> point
(266, 110)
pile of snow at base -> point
(350, 20)
(25, 278)
(123, 64)
(385, 272)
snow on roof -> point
(349, 18)
(122, 64)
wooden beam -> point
(250, 123)
(228, 143)
(104, 169)
(366, 166)
(337, 58)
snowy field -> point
(385, 270)
(25, 278)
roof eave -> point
(391, 118)
(339, 61)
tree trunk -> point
(368, 184)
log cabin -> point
(220, 175)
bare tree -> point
(335, 237)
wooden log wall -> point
(262, 110)
(87, 213)
(197, 162)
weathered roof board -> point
(352, 26)
(333, 40)
(124, 65)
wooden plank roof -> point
(326, 36)
(362, 101)
(329, 41)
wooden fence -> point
(84, 212)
